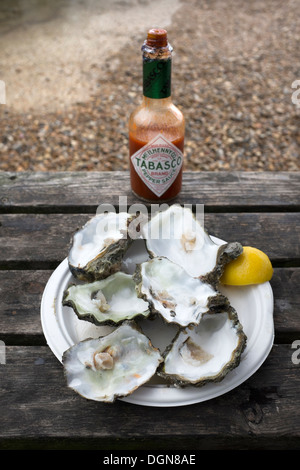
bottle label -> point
(157, 78)
(158, 164)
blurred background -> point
(73, 73)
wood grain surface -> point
(39, 213)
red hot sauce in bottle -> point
(156, 127)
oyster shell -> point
(176, 234)
(107, 301)
(205, 353)
(178, 283)
(111, 366)
(174, 294)
(97, 249)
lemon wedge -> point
(253, 266)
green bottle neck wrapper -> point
(157, 78)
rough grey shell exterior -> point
(112, 286)
(235, 359)
(214, 301)
(108, 383)
(106, 262)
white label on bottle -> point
(158, 164)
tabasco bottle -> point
(156, 127)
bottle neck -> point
(157, 64)
(157, 78)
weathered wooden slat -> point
(38, 409)
(45, 238)
(21, 293)
(275, 234)
(20, 300)
(84, 191)
(285, 285)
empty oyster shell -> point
(107, 301)
(205, 353)
(174, 294)
(178, 235)
(111, 366)
(98, 248)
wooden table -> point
(39, 214)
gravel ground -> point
(233, 67)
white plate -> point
(254, 305)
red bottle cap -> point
(157, 38)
